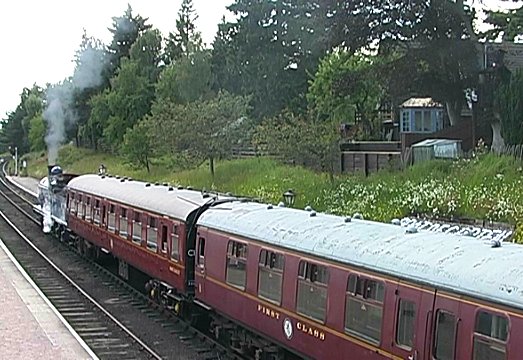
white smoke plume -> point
(59, 112)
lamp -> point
(289, 197)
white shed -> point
(436, 149)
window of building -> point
(364, 308)
(418, 121)
(312, 290)
(405, 121)
(175, 244)
(137, 227)
(406, 324)
(270, 276)
(111, 218)
(123, 222)
(444, 336)
(490, 336)
(236, 274)
(152, 230)
(439, 119)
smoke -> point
(59, 113)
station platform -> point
(27, 184)
(30, 326)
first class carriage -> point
(276, 282)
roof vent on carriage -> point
(148, 185)
(357, 216)
(411, 229)
(348, 219)
(179, 187)
(281, 204)
(270, 206)
(308, 208)
(396, 222)
(170, 188)
(312, 213)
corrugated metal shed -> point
(459, 263)
(436, 148)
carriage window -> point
(88, 209)
(201, 251)
(81, 206)
(151, 234)
(236, 264)
(364, 308)
(490, 336)
(96, 211)
(406, 324)
(111, 217)
(312, 290)
(445, 336)
(175, 243)
(71, 203)
(270, 276)
(123, 223)
(137, 227)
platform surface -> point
(30, 327)
(27, 184)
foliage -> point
(509, 98)
(187, 80)
(346, 85)
(37, 130)
(207, 129)
(138, 145)
(269, 51)
(300, 138)
(508, 24)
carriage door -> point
(104, 219)
(412, 321)
(445, 331)
(200, 266)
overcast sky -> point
(39, 38)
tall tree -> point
(186, 39)
(269, 52)
(126, 29)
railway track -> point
(114, 319)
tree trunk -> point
(498, 143)
(211, 166)
(454, 111)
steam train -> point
(279, 283)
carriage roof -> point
(457, 263)
(160, 199)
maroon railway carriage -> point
(141, 224)
(325, 287)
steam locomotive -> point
(281, 283)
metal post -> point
(16, 161)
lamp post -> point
(289, 197)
